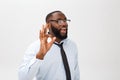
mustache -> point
(64, 28)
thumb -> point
(51, 40)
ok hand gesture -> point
(44, 44)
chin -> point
(63, 37)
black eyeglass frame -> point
(59, 20)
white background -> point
(95, 27)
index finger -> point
(46, 28)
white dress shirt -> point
(51, 67)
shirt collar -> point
(63, 41)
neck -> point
(58, 40)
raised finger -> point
(42, 32)
(46, 27)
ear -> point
(49, 25)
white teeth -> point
(63, 28)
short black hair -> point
(50, 14)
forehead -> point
(58, 15)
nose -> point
(64, 25)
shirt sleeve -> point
(77, 70)
(77, 73)
(30, 65)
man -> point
(44, 60)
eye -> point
(61, 21)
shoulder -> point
(70, 42)
(71, 45)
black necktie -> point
(65, 62)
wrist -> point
(40, 56)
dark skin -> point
(44, 45)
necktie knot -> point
(60, 45)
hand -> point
(44, 44)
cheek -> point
(54, 25)
(56, 28)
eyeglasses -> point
(61, 21)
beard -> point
(58, 34)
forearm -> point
(28, 71)
(77, 73)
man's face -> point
(59, 27)
(60, 33)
